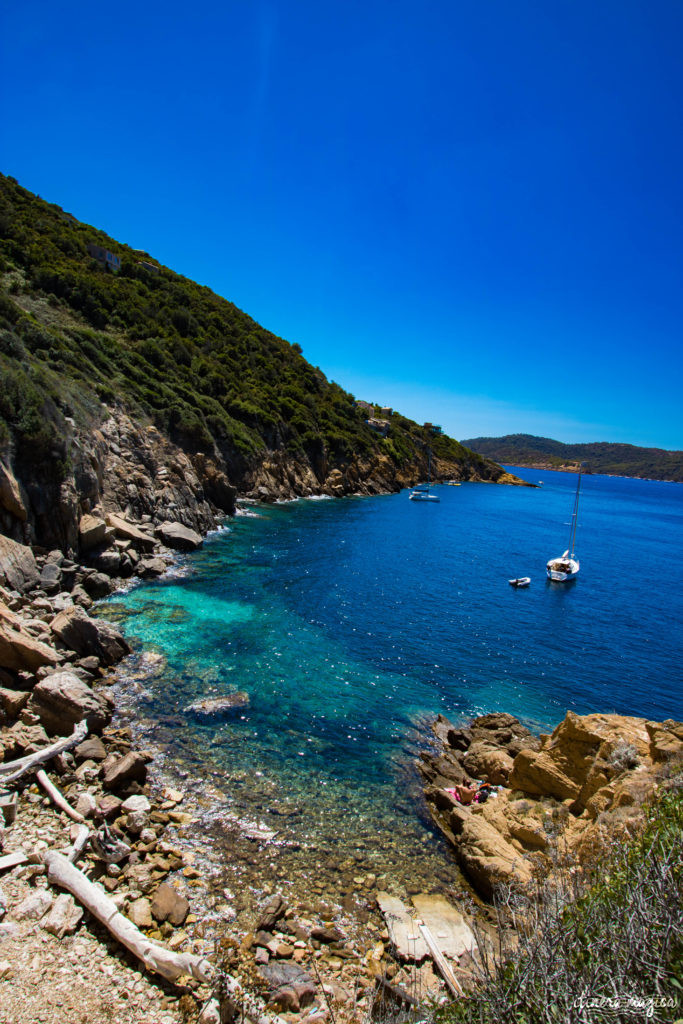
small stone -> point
(86, 805)
(108, 807)
(140, 913)
(64, 917)
(34, 906)
(173, 794)
(91, 749)
(169, 905)
(136, 803)
(6, 970)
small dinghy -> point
(521, 581)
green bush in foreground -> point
(610, 950)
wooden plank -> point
(403, 930)
(449, 928)
(10, 860)
(440, 961)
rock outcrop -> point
(18, 569)
(563, 796)
(89, 636)
(62, 699)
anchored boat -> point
(421, 492)
(566, 567)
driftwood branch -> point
(79, 844)
(169, 965)
(13, 770)
(57, 798)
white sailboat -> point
(421, 492)
(566, 567)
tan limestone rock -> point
(484, 855)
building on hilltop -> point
(434, 427)
(385, 410)
(103, 256)
(148, 266)
(365, 406)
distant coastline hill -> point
(599, 456)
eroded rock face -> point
(566, 794)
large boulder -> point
(484, 761)
(20, 652)
(92, 531)
(62, 699)
(18, 569)
(128, 531)
(484, 855)
(80, 633)
(179, 537)
(580, 757)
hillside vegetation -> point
(75, 335)
(599, 456)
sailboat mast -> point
(575, 513)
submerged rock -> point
(231, 703)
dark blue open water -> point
(349, 621)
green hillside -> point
(74, 334)
(599, 456)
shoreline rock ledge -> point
(563, 797)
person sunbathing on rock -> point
(478, 793)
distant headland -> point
(599, 456)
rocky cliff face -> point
(123, 466)
(118, 466)
(563, 798)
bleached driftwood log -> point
(61, 872)
(13, 770)
(57, 798)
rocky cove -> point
(303, 951)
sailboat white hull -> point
(562, 569)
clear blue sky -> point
(469, 210)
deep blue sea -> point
(350, 622)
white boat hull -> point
(521, 581)
(423, 496)
(560, 570)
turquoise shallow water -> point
(350, 622)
